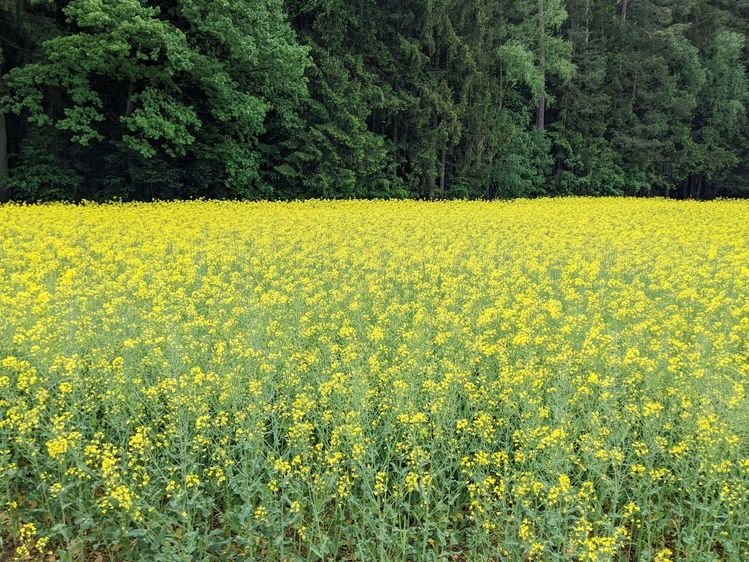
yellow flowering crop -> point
(531, 380)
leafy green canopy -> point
(325, 98)
(173, 97)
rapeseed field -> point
(531, 380)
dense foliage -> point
(325, 98)
(198, 381)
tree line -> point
(142, 99)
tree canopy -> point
(263, 99)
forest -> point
(430, 99)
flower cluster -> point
(533, 380)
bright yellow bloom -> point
(530, 375)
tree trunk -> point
(442, 172)
(132, 172)
(427, 180)
(711, 190)
(431, 168)
(541, 112)
(625, 7)
(4, 194)
(4, 191)
(541, 109)
(587, 22)
(396, 152)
